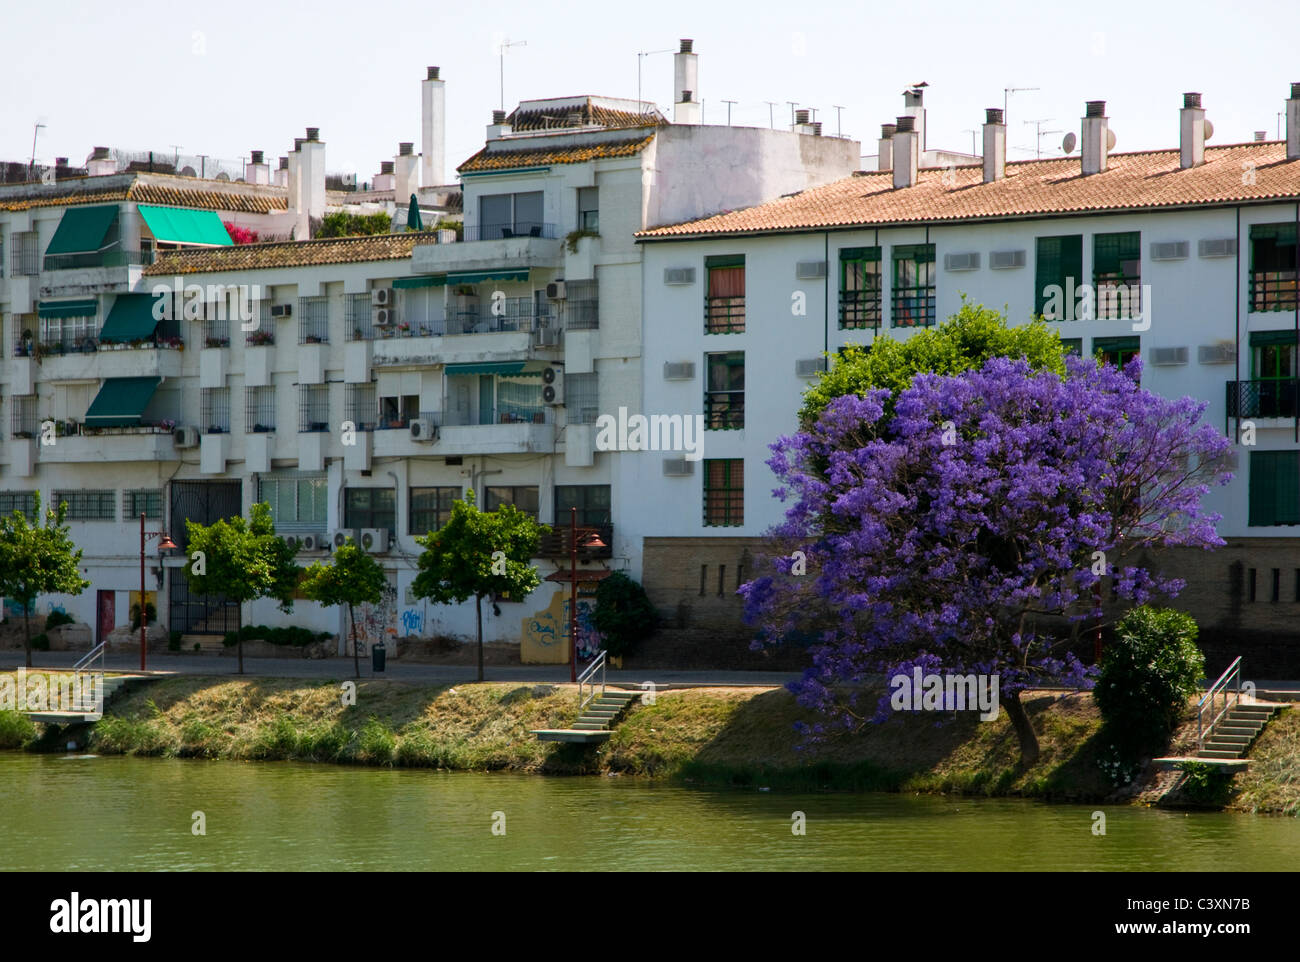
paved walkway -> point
(414, 672)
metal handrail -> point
(1232, 671)
(586, 677)
(83, 667)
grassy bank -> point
(715, 736)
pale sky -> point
(221, 79)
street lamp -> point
(165, 544)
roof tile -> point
(247, 257)
(540, 156)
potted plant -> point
(311, 339)
(404, 329)
(216, 342)
(260, 338)
(167, 424)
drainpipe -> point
(826, 297)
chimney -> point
(906, 152)
(257, 172)
(885, 147)
(1293, 124)
(498, 128)
(406, 174)
(686, 76)
(433, 128)
(282, 174)
(1096, 137)
(913, 108)
(995, 145)
(293, 199)
(384, 179)
(802, 124)
(1191, 136)
(817, 128)
(60, 161)
(100, 163)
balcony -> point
(464, 336)
(1267, 399)
(93, 273)
(76, 443)
(87, 359)
(499, 431)
(558, 545)
(491, 247)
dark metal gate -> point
(202, 502)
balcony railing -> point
(500, 415)
(531, 228)
(1273, 291)
(467, 321)
(582, 315)
(1264, 398)
(85, 344)
(860, 310)
(75, 429)
(559, 543)
(724, 410)
(724, 314)
(63, 262)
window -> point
(11, 501)
(724, 392)
(24, 259)
(1271, 392)
(216, 324)
(1274, 488)
(1072, 345)
(1272, 267)
(214, 410)
(313, 320)
(313, 407)
(724, 300)
(582, 305)
(1058, 269)
(1117, 274)
(913, 290)
(520, 401)
(511, 215)
(259, 409)
(591, 500)
(88, 505)
(430, 508)
(369, 508)
(357, 317)
(2, 253)
(146, 501)
(1116, 350)
(362, 408)
(397, 411)
(522, 496)
(299, 502)
(588, 208)
(22, 417)
(724, 492)
(860, 288)
(582, 398)
(65, 335)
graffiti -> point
(52, 606)
(375, 623)
(412, 621)
(590, 641)
(545, 633)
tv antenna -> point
(1006, 94)
(1040, 134)
(641, 55)
(501, 54)
(31, 166)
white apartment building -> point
(743, 307)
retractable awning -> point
(179, 225)
(83, 230)
(120, 403)
(427, 280)
(131, 318)
(81, 308)
(511, 368)
(478, 277)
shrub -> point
(291, 635)
(41, 642)
(623, 614)
(150, 611)
(342, 224)
(1147, 675)
(1206, 784)
(173, 641)
(56, 618)
(15, 729)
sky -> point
(223, 79)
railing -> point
(559, 543)
(523, 228)
(587, 679)
(1207, 703)
(88, 344)
(83, 667)
(582, 315)
(860, 310)
(466, 321)
(1273, 291)
(724, 410)
(1264, 398)
(724, 314)
(62, 262)
(913, 306)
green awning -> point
(477, 277)
(177, 225)
(1284, 234)
(859, 253)
(1258, 338)
(82, 308)
(724, 260)
(120, 403)
(428, 280)
(514, 368)
(83, 230)
(131, 319)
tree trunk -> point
(27, 634)
(356, 655)
(1024, 730)
(239, 649)
(478, 612)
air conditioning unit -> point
(1217, 247)
(961, 262)
(423, 429)
(553, 385)
(374, 540)
(313, 542)
(1221, 353)
(281, 310)
(546, 337)
(678, 468)
(383, 317)
(679, 275)
(343, 535)
(1169, 250)
(381, 297)
(810, 270)
(1006, 260)
(679, 370)
(1168, 356)
(555, 291)
(809, 367)
(186, 437)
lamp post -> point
(165, 544)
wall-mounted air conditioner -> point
(381, 297)
(555, 290)
(343, 535)
(969, 261)
(313, 542)
(553, 384)
(809, 367)
(546, 337)
(374, 540)
(281, 310)
(810, 270)
(423, 430)
(1217, 247)
(1169, 250)
(679, 275)
(679, 370)
(1168, 356)
(1006, 260)
(383, 317)
(292, 540)
(186, 437)
(678, 468)
(1221, 353)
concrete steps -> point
(86, 710)
(595, 722)
(1234, 733)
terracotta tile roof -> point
(206, 198)
(588, 113)
(247, 257)
(60, 198)
(1135, 181)
(541, 156)
(186, 192)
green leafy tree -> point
(623, 615)
(479, 554)
(37, 558)
(343, 224)
(242, 560)
(354, 578)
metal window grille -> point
(313, 407)
(259, 409)
(724, 492)
(24, 260)
(299, 502)
(358, 318)
(216, 325)
(68, 335)
(1117, 274)
(143, 500)
(582, 306)
(724, 392)
(582, 398)
(913, 288)
(88, 505)
(11, 501)
(313, 320)
(362, 407)
(860, 293)
(22, 419)
(1273, 267)
(430, 508)
(724, 303)
(214, 410)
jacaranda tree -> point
(951, 534)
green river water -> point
(70, 813)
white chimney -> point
(293, 198)
(433, 94)
(311, 183)
(257, 171)
(100, 163)
(1293, 124)
(1191, 132)
(686, 77)
(498, 128)
(995, 145)
(384, 180)
(282, 174)
(802, 124)
(912, 108)
(406, 174)
(1096, 134)
(885, 147)
(906, 153)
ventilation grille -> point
(678, 468)
(679, 275)
(809, 366)
(1006, 260)
(1217, 247)
(1169, 250)
(1222, 353)
(961, 262)
(679, 370)
(1167, 356)
(810, 270)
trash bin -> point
(378, 655)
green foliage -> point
(56, 618)
(342, 224)
(1147, 675)
(292, 636)
(174, 641)
(243, 560)
(38, 558)
(572, 237)
(1206, 784)
(963, 342)
(41, 642)
(16, 729)
(624, 615)
(353, 578)
(150, 611)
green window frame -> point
(1116, 350)
(430, 507)
(1058, 262)
(724, 294)
(24, 501)
(86, 505)
(724, 391)
(860, 288)
(1273, 267)
(369, 508)
(1117, 274)
(299, 502)
(913, 291)
(1072, 345)
(522, 496)
(1272, 389)
(724, 492)
(1274, 488)
(593, 502)
(138, 500)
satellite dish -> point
(1067, 144)
(1110, 139)
(188, 172)
(1209, 130)
(223, 176)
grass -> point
(1272, 782)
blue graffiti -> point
(541, 629)
(412, 622)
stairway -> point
(84, 710)
(1232, 735)
(596, 721)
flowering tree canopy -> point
(952, 533)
